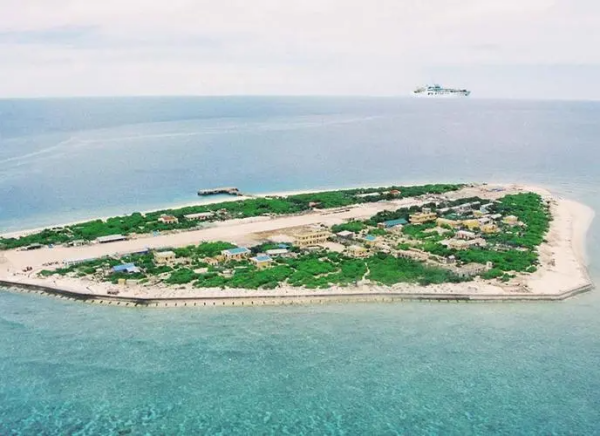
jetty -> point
(217, 191)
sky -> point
(498, 49)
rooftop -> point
(396, 222)
(164, 254)
(263, 258)
(127, 267)
(237, 250)
(110, 238)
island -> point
(442, 242)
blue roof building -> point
(394, 223)
(236, 253)
(370, 238)
(262, 260)
(129, 268)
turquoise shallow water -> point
(415, 368)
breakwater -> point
(299, 299)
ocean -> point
(404, 368)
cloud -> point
(77, 47)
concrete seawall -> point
(264, 300)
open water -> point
(417, 368)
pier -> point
(223, 190)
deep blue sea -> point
(361, 369)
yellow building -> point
(237, 253)
(511, 220)
(422, 217)
(489, 228)
(168, 219)
(471, 224)
(446, 222)
(463, 244)
(357, 252)
(262, 261)
(311, 237)
(164, 257)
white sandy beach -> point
(562, 269)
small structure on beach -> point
(110, 238)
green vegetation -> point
(205, 249)
(512, 250)
(532, 212)
(352, 226)
(148, 223)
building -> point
(278, 252)
(168, 219)
(164, 257)
(446, 222)
(463, 244)
(370, 239)
(262, 261)
(314, 204)
(71, 262)
(211, 261)
(77, 243)
(470, 269)
(357, 252)
(395, 192)
(345, 234)
(311, 237)
(489, 228)
(128, 268)
(392, 224)
(471, 224)
(237, 253)
(422, 217)
(463, 234)
(511, 220)
(412, 254)
(110, 238)
(202, 216)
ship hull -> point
(444, 95)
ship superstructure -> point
(439, 91)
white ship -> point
(438, 91)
